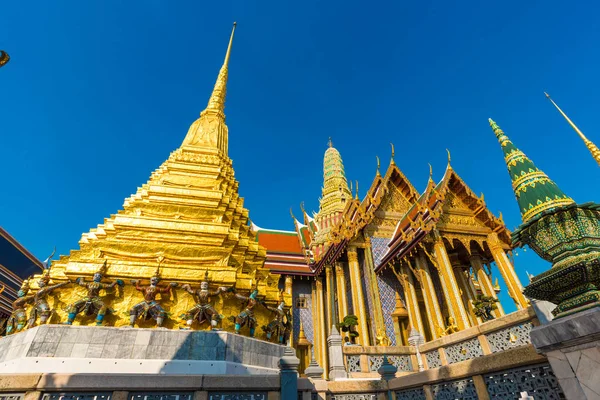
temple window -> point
(301, 301)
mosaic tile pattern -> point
(433, 359)
(538, 381)
(379, 246)
(303, 314)
(462, 351)
(411, 394)
(463, 389)
(508, 338)
(12, 396)
(388, 286)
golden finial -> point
(302, 207)
(4, 58)
(378, 165)
(393, 152)
(449, 158)
(500, 217)
(430, 172)
(292, 214)
(330, 143)
(351, 187)
(356, 190)
(588, 143)
(217, 98)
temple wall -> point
(388, 287)
(302, 287)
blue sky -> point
(97, 94)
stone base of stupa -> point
(572, 345)
(61, 349)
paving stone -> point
(54, 334)
(99, 336)
(142, 338)
(94, 350)
(124, 351)
(84, 335)
(48, 349)
(69, 335)
(34, 349)
(138, 352)
(64, 349)
(110, 351)
(79, 350)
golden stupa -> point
(186, 220)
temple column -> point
(316, 348)
(322, 341)
(434, 314)
(455, 305)
(485, 283)
(515, 289)
(372, 278)
(358, 299)
(341, 290)
(288, 284)
(330, 296)
(468, 294)
(410, 295)
(401, 322)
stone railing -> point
(362, 360)
(507, 332)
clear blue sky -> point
(97, 94)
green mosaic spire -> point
(535, 192)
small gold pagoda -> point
(187, 220)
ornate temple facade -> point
(395, 258)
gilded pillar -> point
(450, 286)
(288, 284)
(316, 317)
(358, 299)
(330, 298)
(412, 304)
(515, 289)
(341, 290)
(485, 283)
(376, 299)
(432, 305)
(468, 294)
(322, 330)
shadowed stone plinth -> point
(572, 345)
(107, 350)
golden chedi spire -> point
(335, 191)
(588, 143)
(188, 218)
(210, 130)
